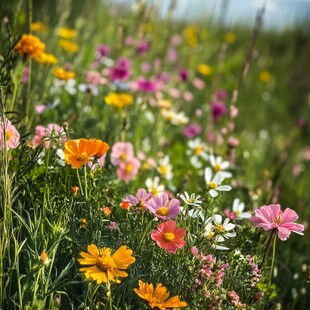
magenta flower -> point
(140, 199)
(192, 131)
(162, 208)
(183, 74)
(148, 86)
(122, 70)
(102, 50)
(218, 109)
(142, 47)
(121, 151)
(271, 217)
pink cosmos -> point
(128, 169)
(172, 55)
(8, 135)
(40, 108)
(143, 47)
(122, 70)
(140, 199)
(162, 208)
(45, 135)
(169, 237)
(192, 131)
(198, 83)
(271, 217)
(121, 151)
(148, 86)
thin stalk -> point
(79, 180)
(267, 247)
(109, 297)
(85, 182)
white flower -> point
(191, 200)
(197, 149)
(174, 118)
(214, 184)
(238, 208)
(154, 186)
(164, 168)
(89, 88)
(61, 159)
(218, 164)
(225, 228)
(70, 87)
(193, 213)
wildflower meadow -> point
(149, 162)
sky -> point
(279, 14)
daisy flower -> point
(214, 184)
(102, 266)
(272, 218)
(218, 164)
(158, 298)
(197, 150)
(164, 168)
(162, 208)
(237, 212)
(168, 236)
(191, 200)
(154, 186)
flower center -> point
(210, 235)
(129, 168)
(163, 170)
(163, 211)
(169, 236)
(154, 191)
(123, 156)
(8, 135)
(278, 220)
(81, 157)
(105, 261)
(238, 213)
(198, 149)
(217, 167)
(219, 228)
(212, 185)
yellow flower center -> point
(123, 156)
(105, 261)
(8, 135)
(154, 191)
(198, 149)
(219, 228)
(163, 211)
(212, 185)
(129, 168)
(278, 220)
(238, 213)
(169, 236)
(217, 167)
(81, 157)
(163, 170)
(210, 235)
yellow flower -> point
(230, 37)
(67, 33)
(265, 76)
(68, 46)
(204, 69)
(47, 59)
(118, 100)
(158, 299)
(30, 45)
(83, 223)
(39, 26)
(103, 266)
(190, 35)
(164, 104)
(63, 74)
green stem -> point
(85, 181)
(109, 297)
(79, 179)
(271, 268)
(267, 247)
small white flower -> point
(218, 164)
(193, 213)
(70, 86)
(154, 186)
(174, 118)
(191, 200)
(238, 208)
(225, 228)
(61, 159)
(214, 184)
(197, 150)
(88, 88)
(164, 168)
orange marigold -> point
(29, 45)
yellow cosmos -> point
(30, 45)
(204, 69)
(103, 266)
(63, 74)
(158, 299)
(265, 76)
(68, 46)
(39, 27)
(47, 59)
(67, 33)
(230, 37)
(118, 100)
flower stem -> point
(79, 179)
(85, 182)
(267, 247)
(109, 297)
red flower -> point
(168, 236)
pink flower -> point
(148, 86)
(271, 217)
(162, 208)
(122, 71)
(169, 237)
(128, 169)
(192, 131)
(8, 135)
(140, 199)
(121, 151)
(45, 135)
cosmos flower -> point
(158, 298)
(168, 236)
(162, 208)
(214, 184)
(9, 136)
(191, 200)
(272, 218)
(102, 266)
(140, 199)
(121, 151)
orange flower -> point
(102, 266)
(63, 74)
(102, 148)
(158, 299)
(30, 45)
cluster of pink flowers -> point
(9, 136)
(255, 270)
(46, 136)
(122, 156)
(235, 300)
(209, 270)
